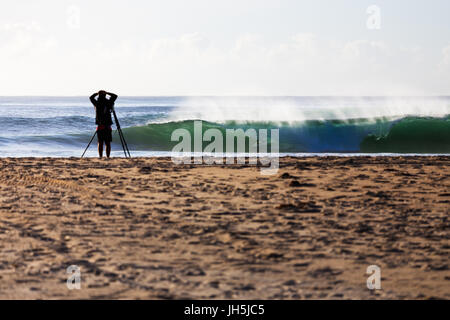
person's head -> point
(102, 94)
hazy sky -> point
(227, 47)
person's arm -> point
(112, 96)
(92, 98)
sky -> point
(232, 47)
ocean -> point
(63, 126)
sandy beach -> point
(145, 228)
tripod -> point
(126, 151)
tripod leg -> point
(121, 141)
(89, 144)
(126, 145)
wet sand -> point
(148, 229)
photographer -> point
(103, 108)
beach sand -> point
(145, 228)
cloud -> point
(19, 40)
(187, 44)
(31, 26)
(192, 64)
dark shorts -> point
(104, 134)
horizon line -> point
(236, 96)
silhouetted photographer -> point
(103, 108)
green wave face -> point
(408, 135)
(412, 135)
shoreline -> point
(166, 155)
(147, 228)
